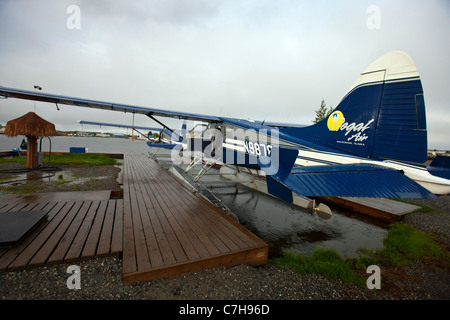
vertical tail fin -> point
(382, 115)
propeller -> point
(323, 211)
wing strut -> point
(164, 126)
(160, 123)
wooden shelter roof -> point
(30, 125)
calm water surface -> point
(94, 144)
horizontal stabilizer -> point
(440, 167)
(441, 162)
(355, 180)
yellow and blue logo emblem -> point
(335, 120)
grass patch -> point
(81, 159)
(423, 208)
(326, 262)
(29, 187)
(426, 209)
(59, 182)
(7, 177)
(402, 245)
(13, 159)
(90, 159)
(92, 182)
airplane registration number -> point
(258, 149)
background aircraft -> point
(118, 125)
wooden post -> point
(31, 153)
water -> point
(287, 227)
(93, 144)
(281, 225)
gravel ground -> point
(437, 222)
(101, 277)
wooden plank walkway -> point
(73, 230)
(380, 208)
(169, 230)
(55, 196)
(160, 227)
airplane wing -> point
(57, 99)
(118, 125)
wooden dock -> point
(169, 230)
(380, 208)
(160, 228)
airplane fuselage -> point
(244, 144)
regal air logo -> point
(336, 122)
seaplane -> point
(119, 125)
(373, 144)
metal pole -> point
(132, 129)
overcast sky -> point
(273, 60)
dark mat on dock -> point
(15, 225)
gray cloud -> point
(263, 60)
